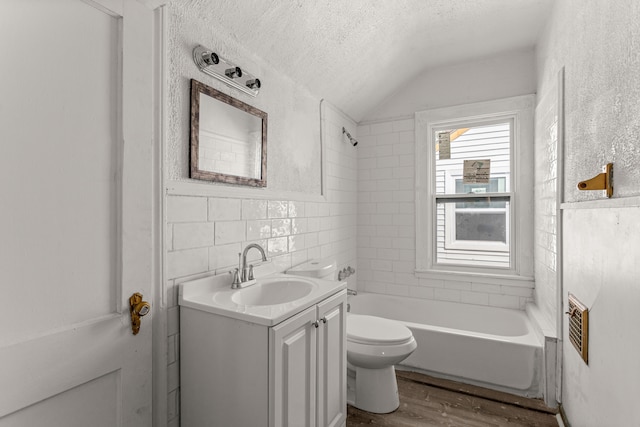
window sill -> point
(487, 278)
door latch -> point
(139, 308)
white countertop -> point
(213, 294)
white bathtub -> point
(487, 346)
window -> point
(471, 210)
(474, 195)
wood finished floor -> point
(429, 401)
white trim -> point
(477, 196)
(559, 243)
(620, 202)
(323, 148)
(161, 120)
(488, 278)
(110, 7)
(521, 108)
(195, 188)
(154, 4)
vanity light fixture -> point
(210, 58)
(352, 140)
(216, 66)
(232, 73)
(253, 84)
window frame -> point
(520, 110)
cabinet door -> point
(332, 361)
(292, 372)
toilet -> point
(374, 346)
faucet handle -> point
(251, 272)
(235, 273)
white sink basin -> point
(272, 299)
(273, 291)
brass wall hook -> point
(602, 181)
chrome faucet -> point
(247, 273)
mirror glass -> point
(228, 138)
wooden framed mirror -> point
(228, 138)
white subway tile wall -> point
(213, 245)
(224, 209)
(386, 224)
(205, 234)
(546, 195)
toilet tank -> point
(317, 268)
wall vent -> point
(579, 327)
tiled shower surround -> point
(386, 225)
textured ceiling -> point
(355, 53)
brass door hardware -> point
(602, 181)
(138, 309)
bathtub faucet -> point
(352, 292)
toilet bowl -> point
(374, 346)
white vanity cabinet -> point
(238, 373)
(307, 369)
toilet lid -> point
(365, 329)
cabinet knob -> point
(316, 323)
(324, 320)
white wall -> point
(500, 76)
(293, 125)
(597, 43)
(208, 224)
(386, 179)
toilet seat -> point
(372, 330)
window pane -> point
(495, 185)
(474, 235)
(476, 145)
(481, 226)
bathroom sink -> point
(273, 291)
(273, 298)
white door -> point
(75, 212)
